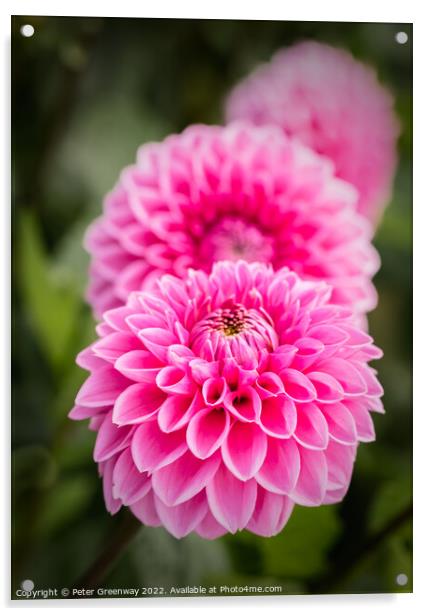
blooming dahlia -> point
(229, 193)
(222, 400)
(333, 104)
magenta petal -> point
(341, 425)
(278, 416)
(152, 449)
(112, 504)
(327, 388)
(114, 345)
(102, 388)
(183, 478)
(174, 380)
(209, 528)
(139, 366)
(340, 459)
(309, 350)
(202, 370)
(312, 482)
(85, 412)
(89, 361)
(177, 411)
(129, 485)
(280, 470)
(244, 449)
(311, 427)
(345, 373)
(157, 341)
(137, 403)
(214, 390)
(297, 386)
(110, 439)
(335, 496)
(231, 501)
(363, 421)
(328, 334)
(182, 519)
(244, 404)
(271, 513)
(145, 510)
(269, 384)
(206, 431)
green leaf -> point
(51, 306)
(300, 551)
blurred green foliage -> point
(86, 93)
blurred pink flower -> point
(332, 103)
(222, 400)
(229, 193)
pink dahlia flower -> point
(229, 193)
(333, 104)
(222, 400)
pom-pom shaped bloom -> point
(229, 193)
(333, 104)
(222, 400)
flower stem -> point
(114, 548)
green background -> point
(85, 94)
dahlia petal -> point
(157, 341)
(278, 416)
(116, 318)
(340, 459)
(110, 439)
(311, 427)
(102, 388)
(182, 519)
(363, 421)
(329, 335)
(202, 370)
(282, 357)
(184, 478)
(206, 431)
(129, 485)
(271, 513)
(214, 390)
(341, 425)
(89, 361)
(112, 504)
(209, 528)
(312, 482)
(346, 374)
(180, 356)
(245, 404)
(308, 350)
(327, 388)
(139, 366)
(114, 345)
(152, 449)
(268, 385)
(373, 386)
(137, 403)
(280, 469)
(174, 380)
(244, 449)
(145, 510)
(177, 411)
(230, 500)
(297, 386)
(85, 412)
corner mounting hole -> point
(401, 37)
(27, 30)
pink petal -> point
(137, 403)
(309, 350)
(282, 357)
(327, 388)
(102, 388)
(85, 412)
(341, 425)
(177, 411)
(112, 504)
(363, 421)
(206, 431)
(182, 519)
(244, 404)
(340, 459)
(269, 384)
(114, 345)
(139, 366)
(145, 510)
(152, 449)
(280, 470)
(345, 373)
(271, 513)
(330, 335)
(157, 341)
(89, 361)
(174, 380)
(244, 449)
(214, 390)
(311, 427)
(110, 439)
(297, 386)
(129, 485)
(202, 370)
(183, 478)
(312, 482)
(231, 501)
(278, 416)
(209, 528)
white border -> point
(331, 10)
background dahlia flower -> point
(229, 193)
(222, 400)
(333, 104)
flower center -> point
(233, 239)
(233, 331)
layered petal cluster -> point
(230, 193)
(333, 104)
(222, 400)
